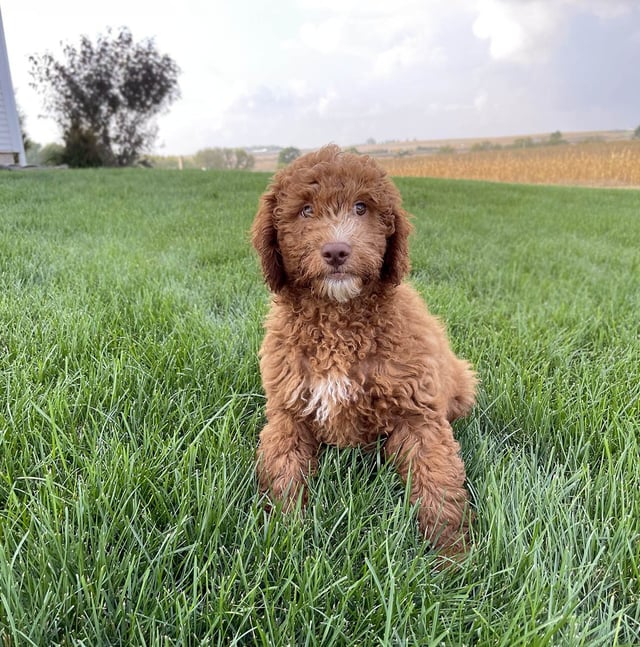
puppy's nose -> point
(335, 254)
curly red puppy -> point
(351, 353)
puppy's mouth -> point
(339, 286)
(338, 275)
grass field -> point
(130, 317)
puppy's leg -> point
(427, 453)
(463, 395)
(286, 456)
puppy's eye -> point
(359, 208)
(307, 211)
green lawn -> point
(130, 403)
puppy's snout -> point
(336, 254)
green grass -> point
(130, 403)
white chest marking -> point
(326, 394)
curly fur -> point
(351, 353)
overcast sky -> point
(307, 72)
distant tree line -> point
(224, 158)
(287, 155)
(554, 139)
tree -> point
(105, 95)
(209, 158)
(32, 154)
(555, 138)
(523, 142)
(244, 160)
(52, 155)
(482, 147)
(636, 133)
(26, 140)
(224, 158)
(81, 148)
(287, 155)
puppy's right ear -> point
(265, 240)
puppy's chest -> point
(324, 398)
(336, 394)
(336, 407)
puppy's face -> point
(331, 223)
(331, 231)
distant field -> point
(601, 159)
(130, 404)
(615, 164)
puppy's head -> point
(332, 223)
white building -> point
(11, 147)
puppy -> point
(351, 354)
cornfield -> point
(591, 164)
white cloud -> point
(325, 102)
(524, 31)
(403, 54)
(604, 8)
(325, 37)
(480, 102)
(379, 37)
(375, 7)
(517, 31)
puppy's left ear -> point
(396, 258)
(265, 240)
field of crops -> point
(590, 164)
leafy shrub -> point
(81, 148)
(52, 155)
(287, 155)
